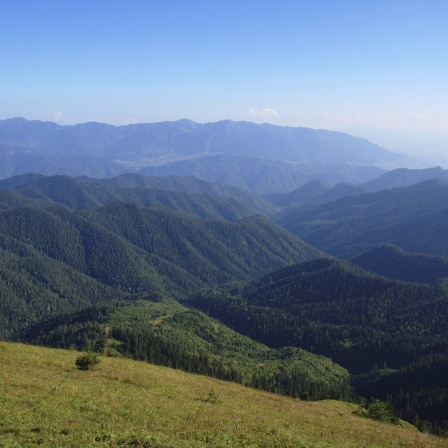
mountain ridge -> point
(101, 150)
(295, 144)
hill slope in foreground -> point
(125, 403)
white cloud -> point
(265, 112)
(325, 114)
(53, 116)
(421, 117)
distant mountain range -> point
(259, 157)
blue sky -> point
(323, 64)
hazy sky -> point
(322, 64)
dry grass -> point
(45, 400)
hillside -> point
(314, 191)
(188, 184)
(213, 251)
(392, 262)
(263, 176)
(79, 194)
(17, 181)
(362, 321)
(54, 259)
(126, 403)
(16, 161)
(336, 309)
(35, 286)
(165, 333)
(405, 177)
(413, 218)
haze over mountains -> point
(258, 157)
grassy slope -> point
(45, 400)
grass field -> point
(45, 400)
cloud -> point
(265, 112)
(420, 117)
(54, 116)
(325, 114)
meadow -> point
(45, 400)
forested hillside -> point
(392, 262)
(55, 259)
(314, 191)
(199, 199)
(362, 321)
(413, 218)
(263, 176)
(163, 332)
(188, 184)
(405, 177)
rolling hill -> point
(188, 184)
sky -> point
(361, 66)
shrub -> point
(212, 396)
(378, 410)
(87, 361)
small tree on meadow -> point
(87, 361)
